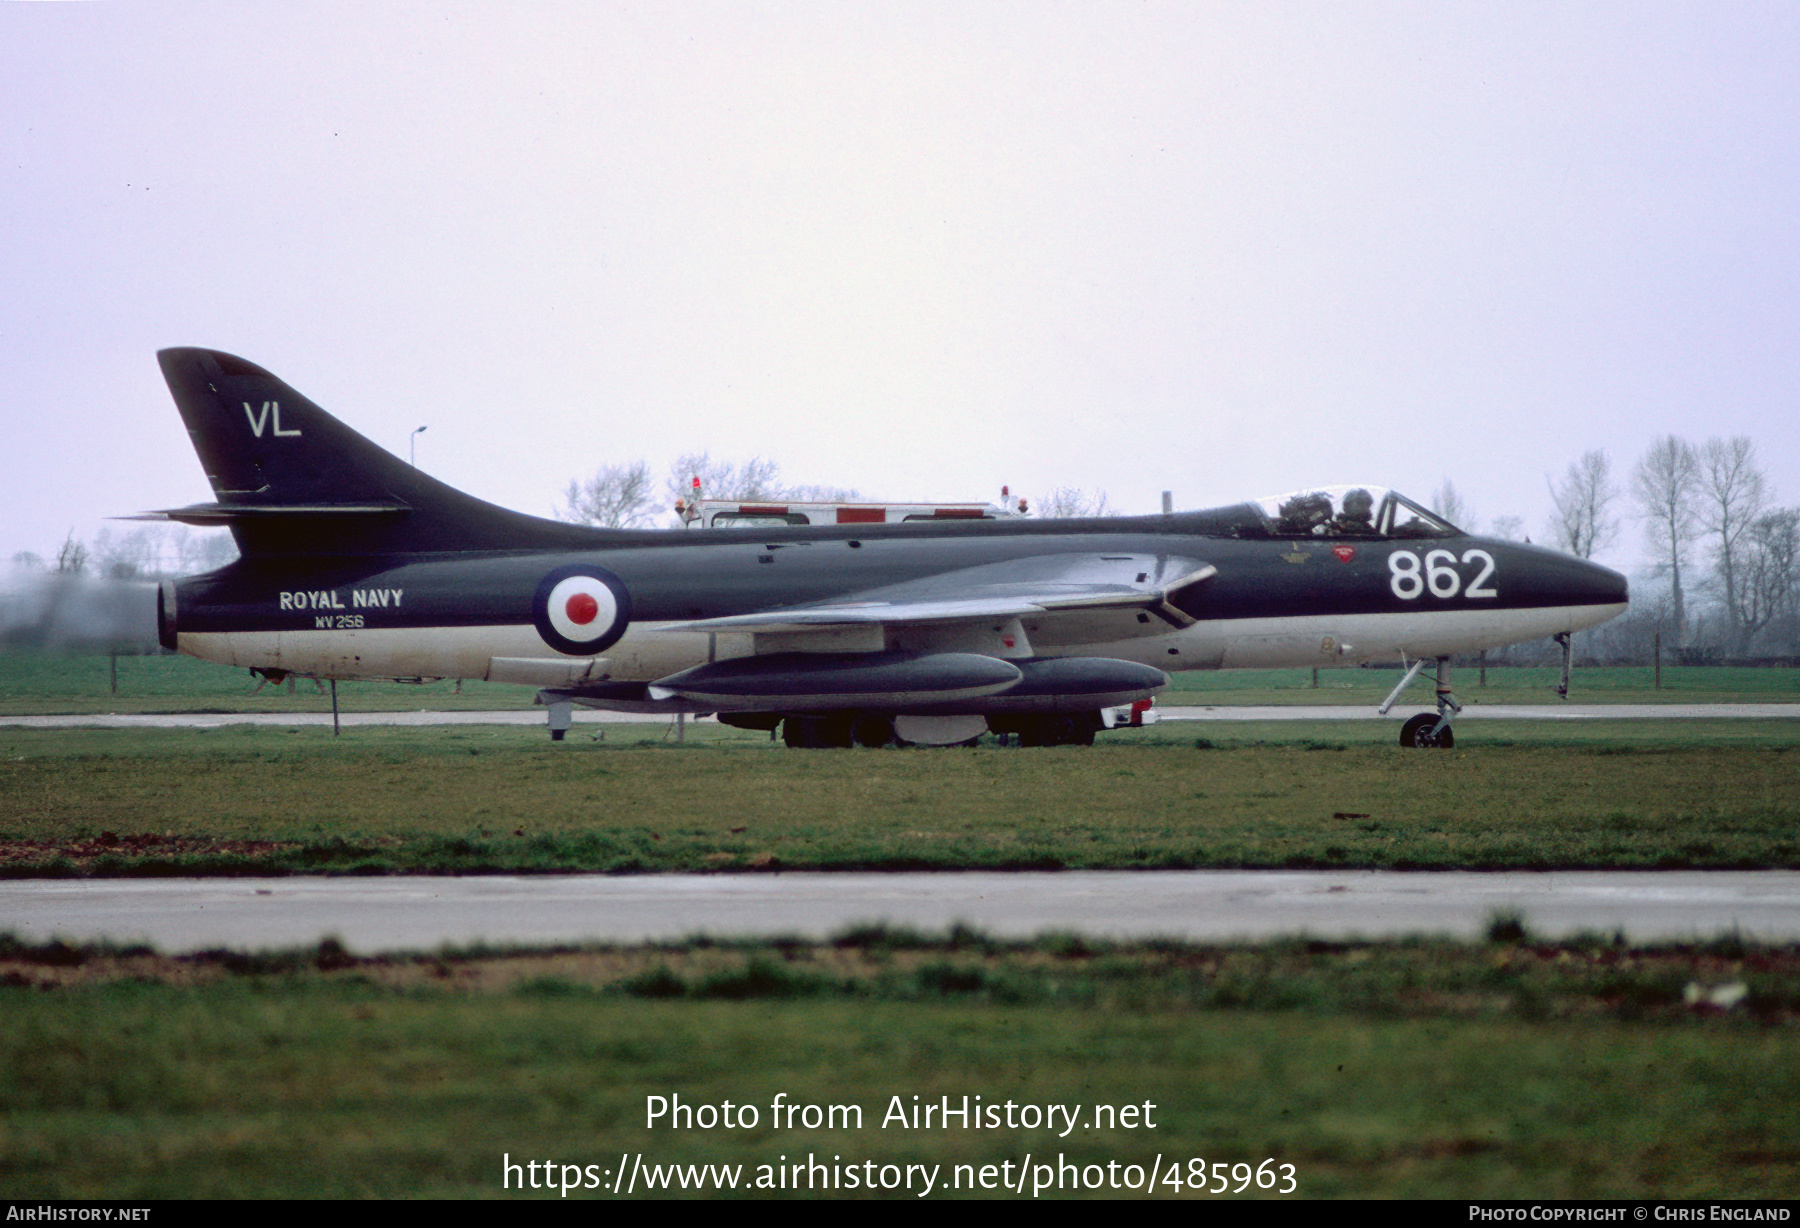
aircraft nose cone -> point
(1533, 577)
(1604, 586)
(1596, 594)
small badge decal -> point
(1344, 553)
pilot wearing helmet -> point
(1357, 519)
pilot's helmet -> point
(1358, 504)
(1304, 511)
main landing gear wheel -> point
(1417, 732)
(1058, 729)
(871, 731)
(817, 732)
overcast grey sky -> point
(921, 249)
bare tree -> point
(755, 479)
(133, 554)
(1582, 524)
(822, 494)
(1733, 494)
(1665, 484)
(198, 550)
(1067, 502)
(1509, 528)
(72, 559)
(622, 496)
(1452, 506)
(615, 497)
(1770, 569)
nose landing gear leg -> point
(1426, 730)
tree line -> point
(149, 553)
(1716, 533)
(626, 496)
(1723, 567)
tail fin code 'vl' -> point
(290, 479)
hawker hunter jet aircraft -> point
(356, 565)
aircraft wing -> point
(1040, 586)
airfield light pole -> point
(412, 448)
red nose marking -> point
(581, 609)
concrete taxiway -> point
(416, 913)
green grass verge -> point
(503, 799)
(48, 684)
(1610, 684)
(1423, 1069)
(52, 684)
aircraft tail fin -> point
(290, 479)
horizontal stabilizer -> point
(214, 514)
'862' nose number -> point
(1411, 576)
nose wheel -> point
(1427, 731)
(1422, 732)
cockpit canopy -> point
(1351, 511)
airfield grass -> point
(58, 684)
(1608, 684)
(1510, 1068)
(623, 799)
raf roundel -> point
(581, 610)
